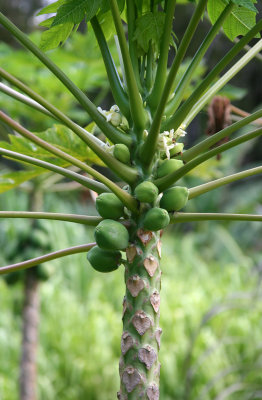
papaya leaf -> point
(11, 180)
(75, 12)
(248, 4)
(240, 20)
(149, 27)
(59, 136)
(106, 7)
(51, 8)
(55, 35)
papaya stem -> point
(24, 99)
(109, 130)
(135, 99)
(125, 172)
(185, 108)
(191, 217)
(84, 181)
(204, 145)
(184, 82)
(149, 147)
(79, 219)
(207, 187)
(47, 257)
(168, 180)
(126, 198)
(113, 77)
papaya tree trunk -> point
(139, 366)
(30, 337)
(28, 363)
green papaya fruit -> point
(104, 260)
(174, 198)
(111, 235)
(121, 152)
(178, 148)
(109, 206)
(168, 166)
(146, 192)
(156, 219)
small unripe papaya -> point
(111, 235)
(174, 198)
(121, 152)
(178, 148)
(146, 192)
(109, 206)
(156, 219)
(104, 260)
(168, 166)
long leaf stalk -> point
(168, 180)
(126, 198)
(47, 257)
(116, 86)
(183, 84)
(191, 217)
(77, 218)
(125, 172)
(177, 119)
(131, 18)
(84, 181)
(207, 187)
(135, 100)
(163, 56)
(109, 130)
(24, 99)
(149, 147)
(205, 99)
(204, 145)
(57, 114)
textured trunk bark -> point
(30, 337)
(139, 366)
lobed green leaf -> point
(60, 136)
(240, 20)
(11, 180)
(149, 27)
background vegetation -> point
(211, 346)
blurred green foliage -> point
(79, 58)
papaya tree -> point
(140, 140)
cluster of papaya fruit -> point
(27, 246)
(112, 236)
